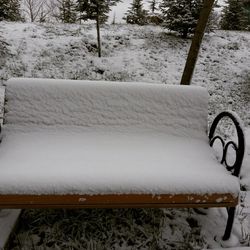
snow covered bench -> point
(101, 144)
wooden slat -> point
(114, 201)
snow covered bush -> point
(136, 14)
(10, 10)
(234, 16)
(181, 15)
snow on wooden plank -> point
(33, 103)
(104, 162)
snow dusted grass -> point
(130, 53)
(109, 229)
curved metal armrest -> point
(239, 147)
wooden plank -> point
(196, 42)
(115, 200)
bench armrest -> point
(238, 147)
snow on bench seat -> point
(110, 163)
(83, 137)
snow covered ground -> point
(131, 53)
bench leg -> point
(230, 220)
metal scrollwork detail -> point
(238, 147)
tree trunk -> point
(196, 42)
(98, 33)
(31, 14)
(184, 33)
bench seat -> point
(97, 162)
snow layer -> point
(60, 162)
(106, 137)
(36, 103)
(68, 51)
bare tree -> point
(52, 6)
(34, 9)
(45, 11)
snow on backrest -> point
(44, 103)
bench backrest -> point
(44, 103)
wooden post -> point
(196, 42)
